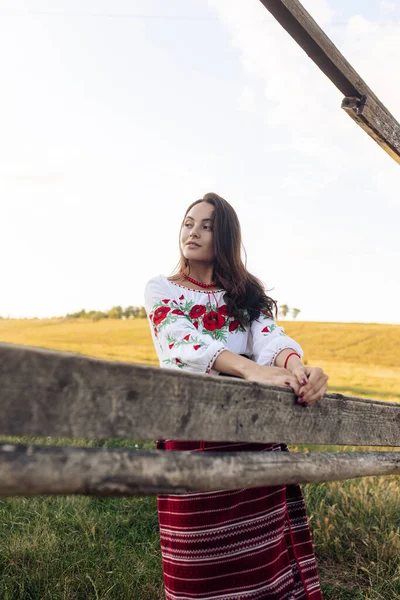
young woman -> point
(213, 317)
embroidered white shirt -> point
(190, 328)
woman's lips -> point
(193, 244)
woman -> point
(214, 317)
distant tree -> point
(283, 309)
(96, 315)
(131, 312)
(295, 312)
(77, 315)
(115, 312)
(142, 312)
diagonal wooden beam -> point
(360, 102)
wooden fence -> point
(48, 393)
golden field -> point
(360, 359)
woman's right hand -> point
(273, 376)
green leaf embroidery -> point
(171, 361)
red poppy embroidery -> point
(265, 330)
(171, 346)
(196, 324)
(223, 310)
(160, 314)
(177, 311)
(177, 360)
(174, 302)
(234, 325)
(181, 297)
(166, 301)
(187, 337)
(213, 320)
(196, 346)
(151, 316)
(196, 311)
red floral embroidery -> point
(213, 320)
(265, 330)
(196, 324)
(171, 346)
(177, 311)
(181, 297)
(196, 311)
(177, 360)
(160, 314)
(166, 301)
(187, 337)
(234, 325)
(196, 346)
(174, 302)
(223, 310)
(151, 316)
(155, 331)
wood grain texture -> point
(33, 470)
(49, 393)
(377, 122)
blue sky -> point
(112, 124)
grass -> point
(78, 547)
(355, 526)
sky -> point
(116, 115)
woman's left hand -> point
(316, 382)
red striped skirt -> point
(247, 544)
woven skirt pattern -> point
(246, 544)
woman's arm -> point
(239, 366)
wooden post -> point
(360, 102)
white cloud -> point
(246, 100)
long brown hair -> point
(245, 295)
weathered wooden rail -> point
(48, 393)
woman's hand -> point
(313, 383)
(273, 376)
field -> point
(85, 548)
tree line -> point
(139, 312)
(116, 312)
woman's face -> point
(198, 228)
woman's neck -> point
(202, 273)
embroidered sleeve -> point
(269, 340)
(174, 329)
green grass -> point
(355, 526)
(77, 547)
